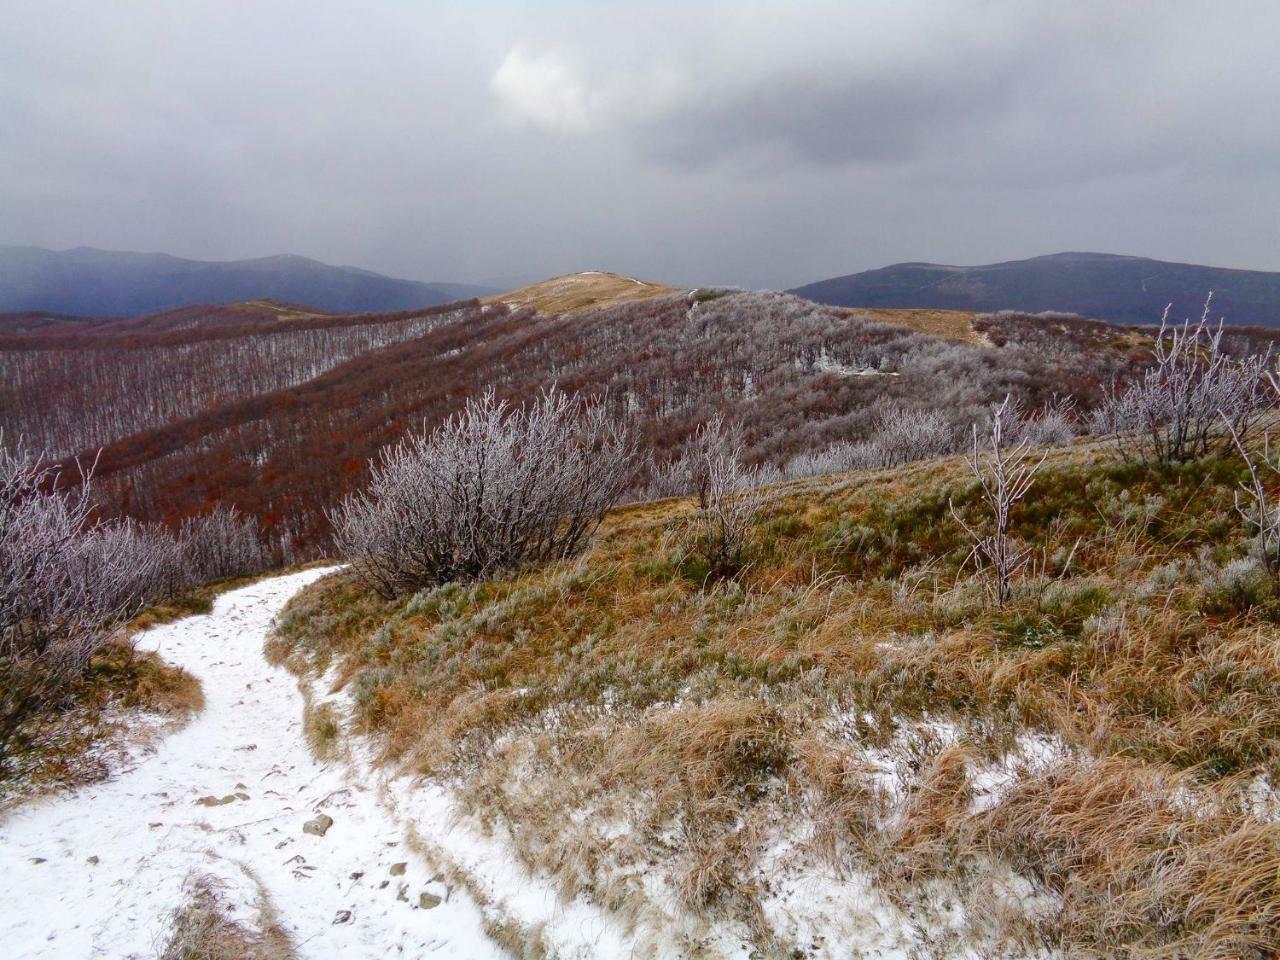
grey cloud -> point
(758, 142)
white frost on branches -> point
(493, 488)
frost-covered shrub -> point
(149, 560)
(1005, 469)
(62, 579)
(728, 500)
(1051, 426)
(221, 544)
(835, 458)
(907, 434)
(493, 488)
(1237, 586)
(1175, 411)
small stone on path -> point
(319, 826)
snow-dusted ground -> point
(93, 873)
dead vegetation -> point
(579, 291)
(204, 928)
(1087, 769)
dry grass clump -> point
(653, 739)
(923, 839)
(1145, 861)
(203, 929)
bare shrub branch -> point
(728, 498)
(1171, 414)
(1005, 470)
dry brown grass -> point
(202, 929)
(578, 291)
(947, 324)
(1146, 861)
(619, 717)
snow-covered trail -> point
(93, 873)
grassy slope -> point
(854, 693)
(578, 291)
(947, 324)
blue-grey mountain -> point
(1098, 285)
(94, 283)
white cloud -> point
(542, 89)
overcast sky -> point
(757, 143)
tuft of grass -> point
(203, 929)
(321, 727)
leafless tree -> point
(1005, 469)
(729, 498)
(493, 488)
(1171, 413)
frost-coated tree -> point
(728, 497)
(493, 488)
(1173, 413)
(1005, 469)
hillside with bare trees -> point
(278, 410)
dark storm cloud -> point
(762, 143)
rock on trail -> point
(236, 794)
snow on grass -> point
(96, 873)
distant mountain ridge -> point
(89, 282)
(1098, 285)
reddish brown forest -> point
(278, 413)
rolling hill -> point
(1104, 286)
(278, 409)
(94, 283)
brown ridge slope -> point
(578, 291)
